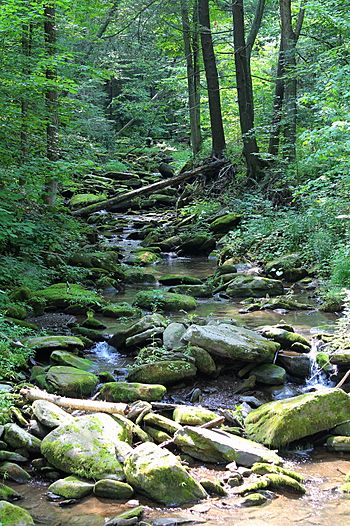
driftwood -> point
(214, 423)
(123, 199)
(74, 403)
(343, 380)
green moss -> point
(176, 279)
(281, 481)
(163, 372)
(130, 392)
(69, 359)
(225, 223)
(8, 494)
(63, 295)
(70, 381)
(164, 301)
(213, 487)
(11, 515)
(254, 499)
(120, 310)
(81, 200)
(71, 488)
(262, 469)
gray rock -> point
(220, 447)
(71, 488)
(19, 438)
(172, 335)
(113, 489)
(50, 415)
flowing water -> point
(323, 505)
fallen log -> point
(123, 199)
(33, 394)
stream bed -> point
(322, 505)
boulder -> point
(172, 336)
(178, 279)
(232, 342)
(342, 430)
(86, 448)
(340, 357)
(67, 358)
(70, 381)
(14, 472)
(8, 494)
(44, 345)
(279, 423)
(151, 324)
(286, 338)
(71, 488)
(11, 515)
(294, 363)
(159, 474)
(67, 295)
(288, 267)
(269, 374)
(203, 361)
(120, 310)
(143, 257)
(339, 443)
(113, 489)
(138, 275)
(196, 245)
(193, 415)
(130, 392)
(18, 438)
(196, 291)
(246, 286)
(225, 223)
(163, 372)
(221, 447)
(50, 415)
(164, 301)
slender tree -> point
(213, 87)
(191, 53)
(27, 36)
(51, 99)
(243, 49)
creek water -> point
(322, 505)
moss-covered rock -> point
(8, 494)
(71, 488)
(269, 374)
(284, 482)
(202, 360)
(286, 338)
(261, 468)
(279, 423)
(162, 422)
(163, 372)
(67, 358)
(213, 487)
(87, 447)
(113, 489)
(339, 443)
(66, 296)
(231, 342)
(172, 336)
(246, 286)
(130, 392)
(11, 515)
(288, 267)
(50, 415)
(294, 363)
(254, 499)
(193, 415)
(196, 291)
(342, 430)
(220, 447)
(143, 257)
(164, 301)
(18, 312)
(178, 279)
(44, 345)
(340, 357)
(120, 310)
(14, 472)
(81, 200)
(18, 438)
(139, 276)
(196, 245)
(70, 381)
(159, 474)
(225, 223)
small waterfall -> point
(107, 358)
(318, 378)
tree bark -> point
(211, 73)
(244, 83)
(27, 31)
(277, 106)
(192, 83)
(51, 99)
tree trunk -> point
(196, 74)
(51, 99)
(192, 86)
(211, 73)
(27, 30)
(277, 106)
(245, 88)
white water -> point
(107, 358)
(317, 379)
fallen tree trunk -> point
(33, 394)
(122, 199)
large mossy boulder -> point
(11, 515)
(202, 360)
(130, 392)
(225, 223)
(87, 447)
(120, 310)
(178, 279)
(288, 267)
(220, 447)
(18, 438)
(279, 423)
(196, 245)
(143, 257)
(158, 474)
(139, 332)
(81, 200)
(70, 381)
(113, 489)
(164, 301)
(163, 372)
(248, 286)
(44, 345)
(288, 339)
(196, 291)
(231, 342)
(68, 296)
(193, 415)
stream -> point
(321, 506)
